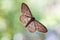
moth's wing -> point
(36, 26)
(24, 20)
(31, 27)
(25, 10)
(40, 27)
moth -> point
(29, 21)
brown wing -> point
(31, 27)
(36, 26)
(25, 14)
(24, 19)
(25, 10)
(40, 27)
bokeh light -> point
(51, 35)
(6, 36)
(7, 4)
(18, 36)
(3, 24)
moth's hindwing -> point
(24, 19)
(31, 27)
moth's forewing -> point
(24, 20)
(25, 14)
(25, 10)
(40, 27)
(31, 27)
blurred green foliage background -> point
(45, 11)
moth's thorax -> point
(32, 19)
